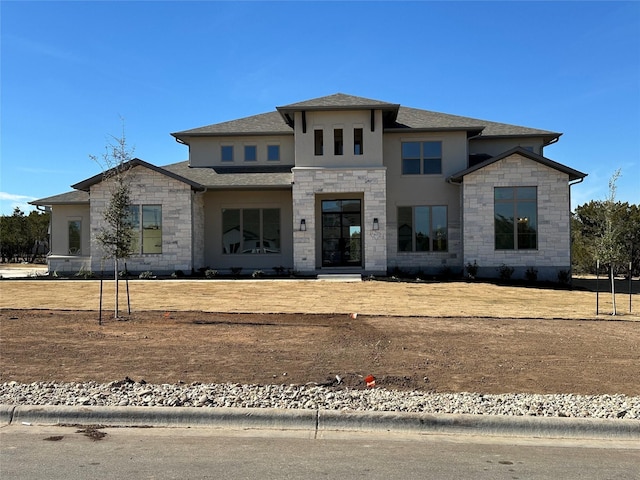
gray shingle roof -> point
(86, 184)
(238, 177)
(414, 118)
(397, 118)
(76, 197)
(263, 124)
(573, 174)
(338, 101)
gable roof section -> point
(76, 197)
(86, 184)
(573, 174)
(396, 119)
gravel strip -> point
(130, 393)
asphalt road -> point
(52, 452)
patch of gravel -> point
(130, 393)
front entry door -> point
(341, 233)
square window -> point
(422, 229)
(273, 153)
(421, 158)
(250, 153)
(227, 153)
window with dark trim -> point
(273, 153)
(422, 229)
(516, 218)
(337, 141)
(358, 146)
(250, 153)
(421, 158)
(250, 230)
(75, 237)
(146, 226)
(226, 153)
(318, 141)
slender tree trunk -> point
(613, 291)
(115, 263)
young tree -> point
(610, 245)
(115, 236)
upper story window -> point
(318, 141)
(273, 153)
(422, 229)
(516, 218)
(337, 141)
(358, 145)
(250, 153)
(226, 153)
(421, 158)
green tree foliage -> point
(607, 232)
(116, 234)
(588, 225)
(24, 237)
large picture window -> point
(422, 229)
(421, 158)
(146, 226)
(516, 218)
(250, 230)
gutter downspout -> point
(575, 182)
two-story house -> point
(337, 184)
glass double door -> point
(341, 233)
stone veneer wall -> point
(431, 263)
(151, 188)
(308, 182)
(198, 230)
(554, 241)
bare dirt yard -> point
(443, 337)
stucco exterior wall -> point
(554, 243)
(425, 190)
(312, 183)
(347, 121)
(60, 260)
(207, 151)
(151, 188)
(215, 201)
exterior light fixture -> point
(376, 224)
(303, 225)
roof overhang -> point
(85, 185)
(573, 174)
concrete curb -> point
(318, 421)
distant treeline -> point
(24, 238)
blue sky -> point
(72, 70)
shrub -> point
(531, 274)
(505, 272)
(472, 269)
(209, 273)
(257, 274)
(146, 275)
(84, 273)
(564, 277)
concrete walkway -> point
(315, 422)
